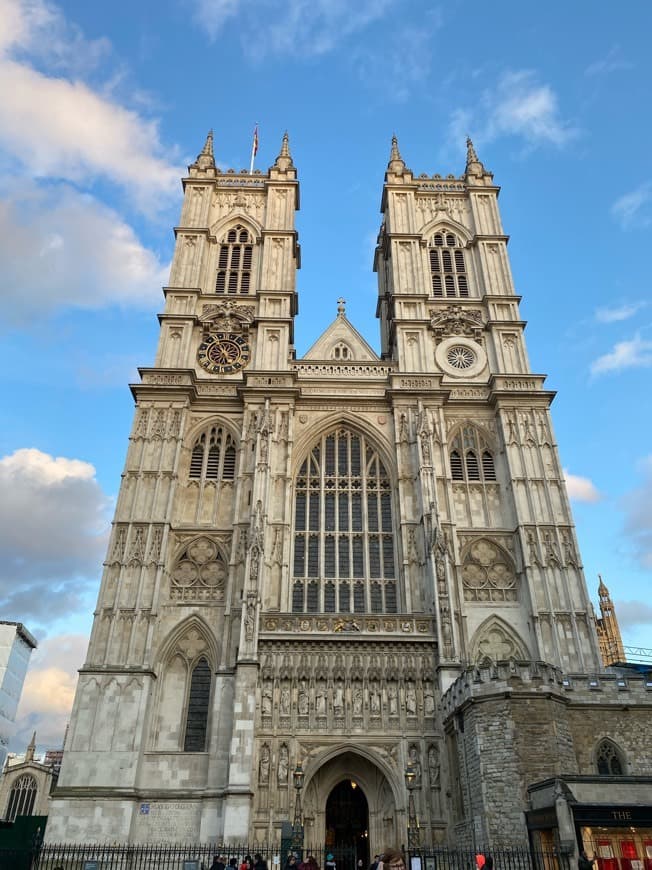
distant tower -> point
(611, 644)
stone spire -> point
(474, 166)
(31, 749)
(396, 162)
(603, 592)
(206, 158)
(284, 159)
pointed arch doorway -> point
(347, 824)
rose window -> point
(460, 357)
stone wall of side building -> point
(512, 724)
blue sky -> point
(103, 105)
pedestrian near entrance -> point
(392, 859)
(584, 862)
(374, 863)
(259, 862)
(330, 862)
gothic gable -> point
(341, 342)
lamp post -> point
(413, 822)
(297, 825)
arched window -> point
(21, 797)
(234, 262)
(471, 458)
(213, 456)
(197, 711)
(447, 266)
(609, 760)
(343, 529)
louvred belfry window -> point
(471, 459)
(447, 266)
(234, 262)
(213, 456)
(343, 530)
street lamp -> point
(297, 825)
(413, 822)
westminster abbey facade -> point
(349, 562)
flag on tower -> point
(254, 149)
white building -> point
(16, 645)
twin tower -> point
(315, 560)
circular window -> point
(460, 357)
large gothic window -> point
(21, 797)
(343, 530)
(213, 456)
(447, 266)
(471, 457)
(234, 262)
(197, 713)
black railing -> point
(74, 856)
(200, 857)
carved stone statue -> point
(415, 761)
(433, 766)
(303, 699)
(263, 765)
(411, 700)
(338, 699)
(320, 700)
(283, 765)
(267, 700)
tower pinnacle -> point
(396, 162)
(284, 159)
(474, 165)
(206, 158)
(31, 749)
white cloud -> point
(632, 210)
(41, 29)
(621, 312)
(402, 61)
(638, 522)
(293, 27)
(212, 14)
(60, 248)
(581, 488)
(49, 691)
(60, 127)
(635, 353)
(633, 613)
(53, 533)
(613, 61)
(518, 105)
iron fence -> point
(200, 857)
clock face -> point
(223, 353)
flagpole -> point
(254, 149)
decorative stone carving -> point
(227, 316)
(199, 573)
(488, 573)
(456, 320)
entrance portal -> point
(347, 824)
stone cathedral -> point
(350, 562)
